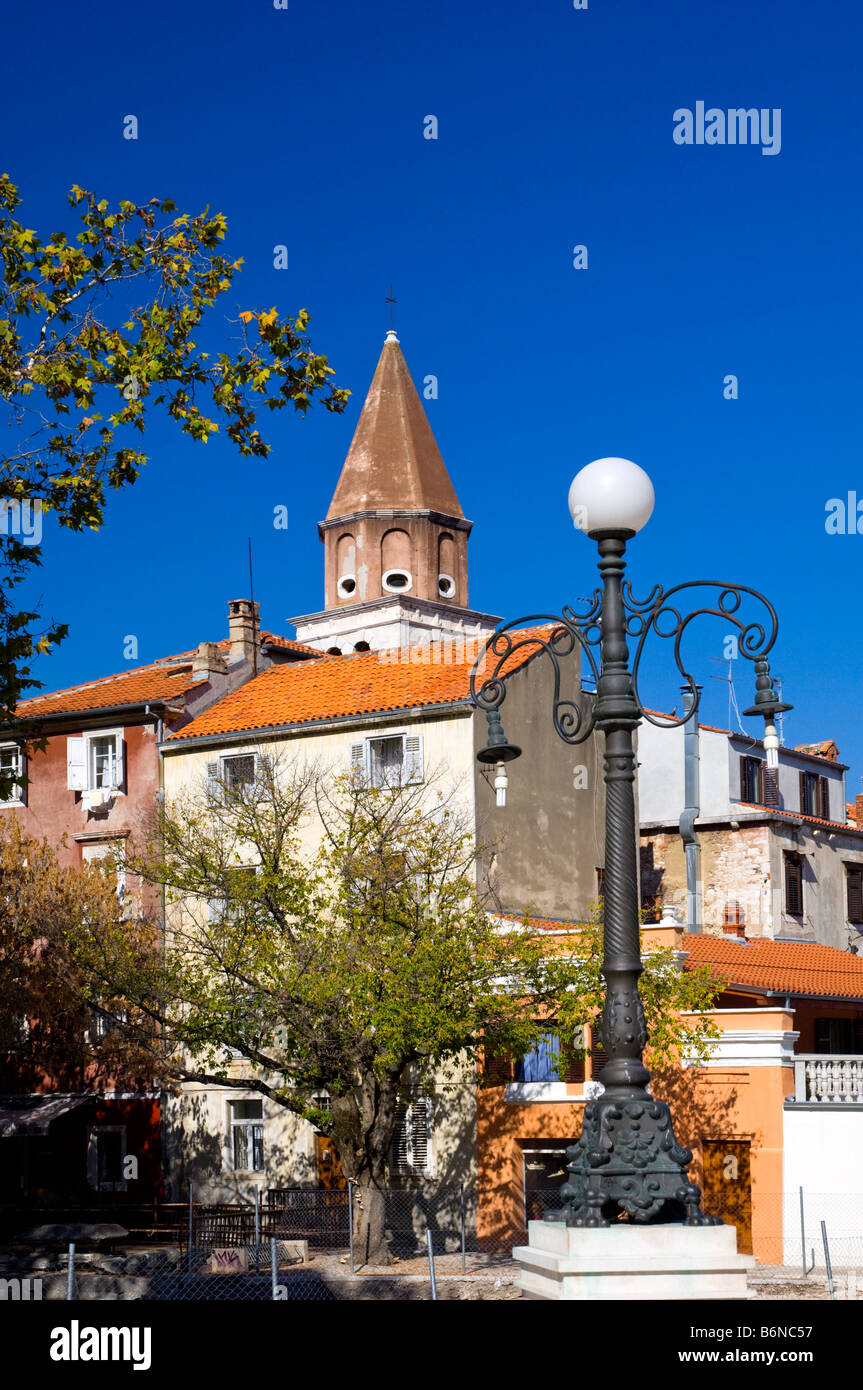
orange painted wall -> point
(711, 1103)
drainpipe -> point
(690, 813)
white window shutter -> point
(421, 1136)
(119, 762)
(213, 781)
(401, 1148)
(413, 760)
(412, 1152)
(358, 759)
(76, 764)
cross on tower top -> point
(391, 302)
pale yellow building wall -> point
(197, 1123)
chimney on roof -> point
(207, 662)
(858, 814)
(244, 629)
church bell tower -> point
(395, 536)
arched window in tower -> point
(346, 566)
(446, 566)
(396, 567)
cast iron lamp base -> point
(628, 1161)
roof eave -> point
(183, 741)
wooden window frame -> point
(748, 765)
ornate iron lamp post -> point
(627, 1159)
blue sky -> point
(305, 127)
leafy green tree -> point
(362, 971)
(52, 1024)
(98, 331)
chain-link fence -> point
(433, 1241)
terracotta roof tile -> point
(163, 678)
(795, 815)
(357, 684)
(791, 967)
(156, 682)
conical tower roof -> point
(394, 461)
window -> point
(445, 585)
(94, 762)
(815, 795)
(396, 760)
(854, 882)
(226, 908)
(397, 581)
(752, 780)
(105, 1024)
(346, 585)
(539, 1064)
(838, 1036)
(109, 855)
(793, 884)
(412, 1139)
(106, 1158)
(231, 777)
(545, 1172)
(247, 1135)
(12, 767)
(734, 918)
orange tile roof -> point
(791, 967)
(357, 684)
(163, 678)
(795, 815)
(156, 682)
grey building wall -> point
(543, 849)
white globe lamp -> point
(611, 495)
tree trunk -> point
(371, 1246)
(363, 1123)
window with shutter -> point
(540, 1064)
(238, 773)
(793, 884)
(386, 761)
(95, 762)
(752, 780)
(809, 793)
(854, 882)
(12, 768)
(824, 798)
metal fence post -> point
(463, 1265)
(351, 1220)
(191, 1210)
(806, 1271)
(274, 1269)
(70, 1274)
(431, 1264)
(257, 1227)
(827, 1261)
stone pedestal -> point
(625, 1261)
